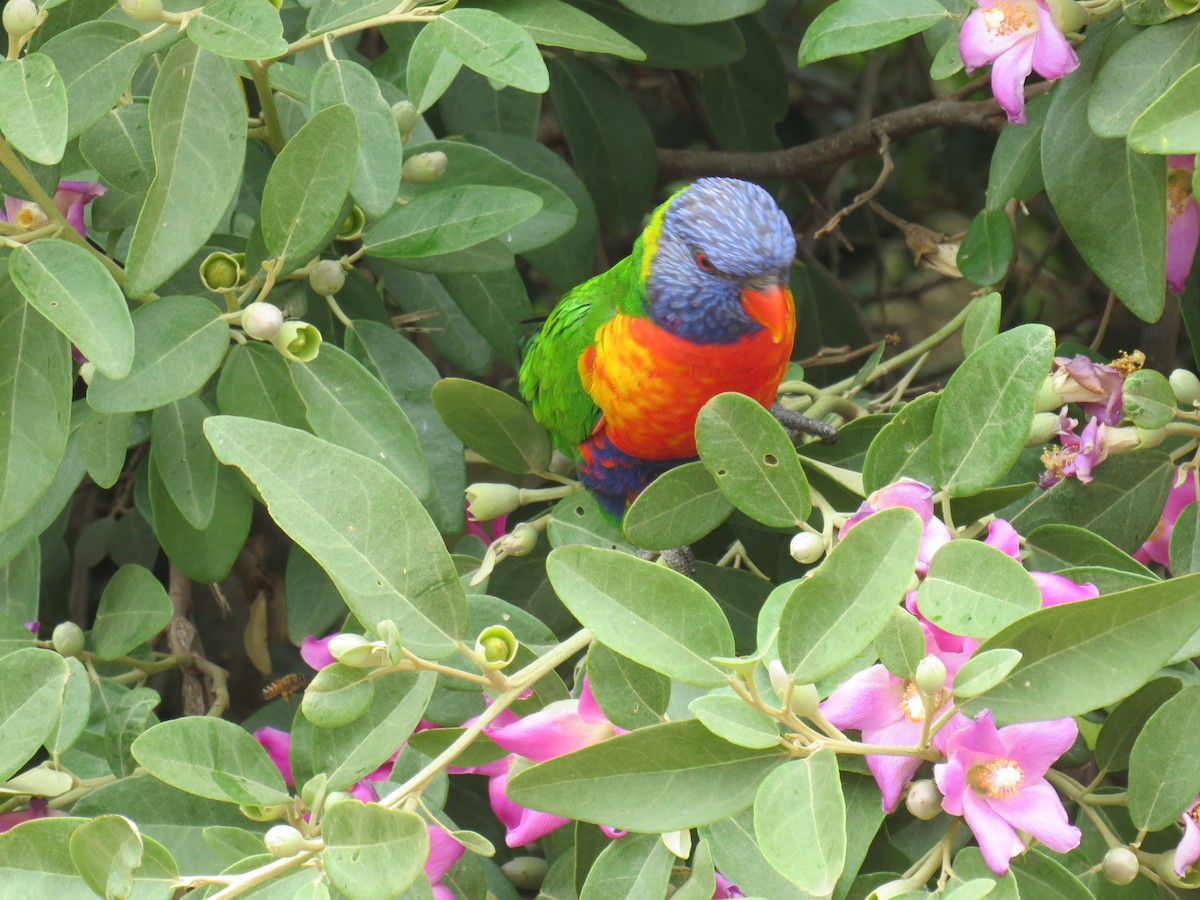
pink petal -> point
(978, 743)
(1182, 161)
(1058, 589)
(552, 731)
(1034, 746)
(979, 44)
(1188, 850)
(444, 852)
(277, 744)
(1183, 234)
(1004, 538)
(869, 699)
(12, 206)
(613, 834)
(521, 825)
(72, 196)
(951, 779)
(441, 892)
(905, 492)
(726, 889)
(315, 651)
(1009, 72)
(1053, 56)
(935, 536)
(892, 773)
(589, 709)
(1036, 810)
(363, 792)
(997, 841)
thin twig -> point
(866, 196)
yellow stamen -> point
(911, 705)
(1006, 17)
(1056, 459)
(999, 778)
(1179, 191)
(1128, 363)
(30, 216)
(1193, 813)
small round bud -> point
(496, 647)
(261, 321)
(142, 10)
(930, 676)
(297, 341)
(67, 638)
(486, 500)
(805, 699)
(284, 840)
(1186, 387)
(352, 226)
(87, 371)
(333, 798)
(806, 548)
(327, 277)
(924, 800)
(20, 17)
(220, 272)
(1068, 15)
(1044, 429)
(423, 168)
(526, 872)
(1120, 865)
(406, 117)
(521, 541)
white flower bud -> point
(67, 638)
(1186, 387)
(20, 17)
(284, 840)
(327, 277)
(406, 117)
(262, 321)
(423, 168)
(930, 676)
(142, 10)
(805, 699)
(87, 371)
(924, 800)
(806, 548)
(1120, 865)
(487, 500)
(526, 872)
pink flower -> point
(278, 745)
(1098, 388)
(919, 498)
(1077, 454)
(1158, 545)
(726, 889)
(888, 710)
(70, 199)
(444, 852)
(315, 650)
(996, 780)
(1058, 589)
(497, 528)
(1017, 37)
(1183, 220)
(39, 808)
(1188, 850)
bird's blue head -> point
(717, 263)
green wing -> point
(549, 376)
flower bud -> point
(1044, 429)
(1068, 15)
(521, 541)
(1120, 865)
(352, 226)
(297, 341)
(1048, 398)
(220, 271)
(263, 813)
(327, 277)
(806, 548)
(389, 633)
(357, 652)
(924, 800)
(261, 321)
(67, 638)
(496, 647)
(486, 500)
(805, 699)
(1122, 439)
(87, 371)
(406, 117)
(142, 10)
(284, 840)
(333, 798)
(314, 790)
(526, 872)
(423, 168)
(20, 17)
(1186, 387)
(930, 676)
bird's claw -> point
(797, 425)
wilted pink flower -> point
(1188, 850)
(444, 852)
(1017, 37)
(1099, 389)
(1158, 545)
(1076, 455)
(39, 808)
(70, 199)
(1183, 220)
(726, 889)
(497, 528)
(996, 780)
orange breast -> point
(650, 385)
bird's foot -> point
(797, 425)
(678, 559)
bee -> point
(286, 687)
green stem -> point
(270, 115)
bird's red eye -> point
(705, 263)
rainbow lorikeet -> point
(626, 360)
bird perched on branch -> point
(626, 360)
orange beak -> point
(772, 308)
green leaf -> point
(118, 147)
(493, 46)
(983, 418)
(974, 590)
(376, 178)
(107, 851)
(1184, 549)
(178, 343)
(647, 612)
(618, 165)
(313, 603)
(1122, 504)
(800, 822)
(449, 219)
(103, 440)
(47, 508)
(696, 12)
(1120, 232)
(1053, 548)
(663, 778)
(34, 681)
(1040, 876)
(71, 288)
(982, 324)
(133, 608)
(631, 695)
(205, 555)
(1148, 400)
(337, 696)
(496, 304)
(1163, 772)
(128, 719)
(95, 60)
(558, 24)
(635, 868)
(35, 405)
(372, 853)
(578, 519)
(733, 719)
(904, 446)
(853, 26)
(34, 859)
(1104, 648)
(211, 758)
(738, 857)
(495, 425)
(431, 69)
(183, 458)
(1016, 169)
(347, 406)
(326, 15)
(901, 644)
(752, 460)
(676, 509)
(1139, 73)
(302, 199)
(256, 383)
(983, 671)
(987, 248)
(33, 115)
(837, 611)
(1172, 123)
(238, 29)
(20, 579)
(360, 522)
(198, 129)
(1123, 725)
